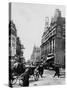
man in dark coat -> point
(26, 78)
(40, 68)
(57, 73)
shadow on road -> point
(6, 84)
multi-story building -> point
(53, 39)
(12, 39)
(12, 48)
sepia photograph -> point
(36, 44)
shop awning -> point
(49, 58)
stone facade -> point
(53, 39)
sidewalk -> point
(62, 71)
(49, 80)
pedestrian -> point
(40, 68)
(57, 73)
(36, 74)
(26, 78)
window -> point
(59, 31)
(53, 45)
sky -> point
(30, 22)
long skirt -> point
(26, 83)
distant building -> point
(53, 39)
(36, 54)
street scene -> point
(36, 45)
(46, 80)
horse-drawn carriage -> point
(33, 72)
(19, 72)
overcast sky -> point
(30, 21)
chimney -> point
(57, 14)
(46, 22)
